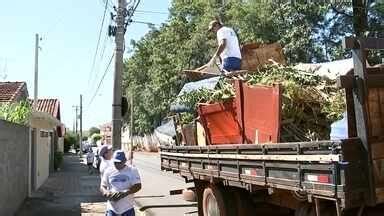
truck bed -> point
(328, 169)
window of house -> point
(44, 134)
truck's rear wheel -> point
(305, 210)
(213, 202)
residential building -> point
(106, 133)
(13, 91)
(46, 124)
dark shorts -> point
(130, 212)
(231, 64)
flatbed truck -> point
(317, 178)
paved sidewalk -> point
(71, 191)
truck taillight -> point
(251, 172)
(321, 178)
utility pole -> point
(131, 128)
(81, 124)
(117, 84)
(36, 71)
(73, 127)
(31, 157)
(76, 117)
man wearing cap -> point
(105, 155)
(228, 50)
(118, 184)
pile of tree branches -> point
(310, 103)
(309, 31)
(222, 92)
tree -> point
(95, 137)
(308, 32)
(93, 130)
(69, 140)
(19, 112)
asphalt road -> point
(156, 187)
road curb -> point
(140, 213)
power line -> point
(101, 81)
(110, 4)
(98, 42)
(153, 12)
(104, 45)
(101, 58)
(149, 24)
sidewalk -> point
(71, 191)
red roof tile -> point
(51, 106)
(11, 91)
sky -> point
(69, 32)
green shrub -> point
(16, 112)
(58, 160)
(95, 137)
(69, 140)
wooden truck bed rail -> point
(322, 169)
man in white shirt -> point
(90, 158)
(105, 156)
(118, 185)
(228, 50)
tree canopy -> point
(308, 32)
(93, 130)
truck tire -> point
(305, 209)
(213, 202)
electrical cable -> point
(101, 80)
(153, 12)
(98, 43)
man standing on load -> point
(228, 49)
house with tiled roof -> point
(46, 120)
(13, 91)
(52, 107)
(46, 130)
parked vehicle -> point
(319, 178)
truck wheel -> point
(305, 210)
(213, 202)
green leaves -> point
(16, 112)
(309, 103)
(308, 32)
(223, 91)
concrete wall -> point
(43, 149)
(14, 169)
(60, 144)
